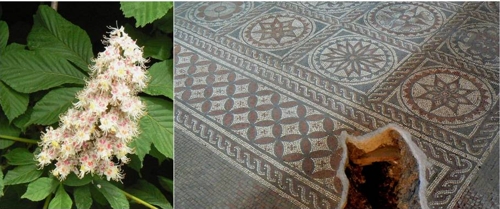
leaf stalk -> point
(29, 141)
(142, 202)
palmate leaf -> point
(161, 82)
(57, 101)
(61, 200)
(40, 189)
(149, 193)
(51, 33)
(13, 103)
(28, 72)
(145, 12)
(22, 174)
(113, 194)
(156, 127)
(4, 35)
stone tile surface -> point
(268, 87)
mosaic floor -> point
(263, 91)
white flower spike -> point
(93, 136)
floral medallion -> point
(477, 43)
(405, 19)
(277, 30)
(352, 59)
(446, 96)
(218, 13)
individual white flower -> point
(133, 107)
(104, 121)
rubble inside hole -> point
(383, 171)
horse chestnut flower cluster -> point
(94, 135)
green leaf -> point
(113, 194)
(7, 130)
(22, 174)
(22, 121)
(57, 101)
(145, 12)
(149, 193)
(14, 47)
(97, 196)
(4, 35)
(157, 125)
(82, 197)
(13, 103)
(161, 82)
(51, 33)
(141, 145)
(20, 156)
(167, 184)
(1, 183)
(5, 143)
(28, 72)
(166, 23)
(61, 200)
(157, 154)
(73, 180)
(40, 189)
(158, 47)
(135, 163)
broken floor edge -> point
(421, 158)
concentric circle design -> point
(446, 96)
(277, 30)
(218, 13)
(331, 7)
(477, 43)
(352, 59)
(405, 19)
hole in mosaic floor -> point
(383, 172)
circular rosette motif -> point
(405, 19)
(446, 96)
(352, 59)
(477, 43)
(328, 6)
(277, 30)
(218, 13)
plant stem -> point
(47, 201)
(30, 141)
(139, 200)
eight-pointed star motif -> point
(278, 28)
(446, 94)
